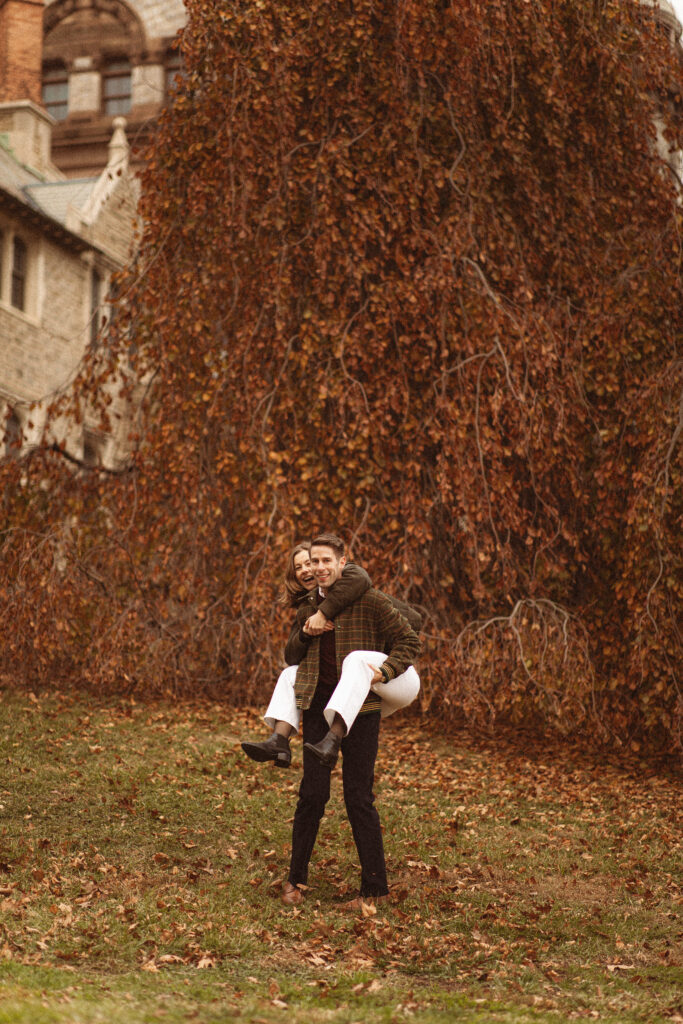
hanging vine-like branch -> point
(381, 289)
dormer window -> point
(116, 87)
(56, 91)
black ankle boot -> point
(274, 749)
(327, 751)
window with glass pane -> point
(19, 268)
(95, 300)
(173, 70)
(92, 445)
(13, 434)
(116, 88)
(56, 92)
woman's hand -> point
(317, 624)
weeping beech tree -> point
(410, 270)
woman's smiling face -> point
(302, 570)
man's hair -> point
(292, 591)
(329, 540)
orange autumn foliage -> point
(410, 270)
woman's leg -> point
(354, 686)
(282, 708)
(398, 692)
(349, 695)
(283, 717)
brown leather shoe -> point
(357, 904)
(291, 894)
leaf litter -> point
(549, 880)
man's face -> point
(327, 565)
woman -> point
(282, 714)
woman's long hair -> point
(292, 591)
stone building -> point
(61, 239)
(102, 59)
(70, 72)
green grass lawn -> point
(141, 854)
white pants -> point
(349, 694)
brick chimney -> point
(24, 122)
(21, 50)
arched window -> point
(116, 87)
(56, 91)
(19, 273)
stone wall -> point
(160, 18)
(112, 230)
(41, 351)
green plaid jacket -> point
(371, 623)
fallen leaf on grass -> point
(315, 959)
(373, 986)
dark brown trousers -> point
(359, 751)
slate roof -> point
(55, 197)
(40, 201)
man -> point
(370, 632)
(282, 715)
